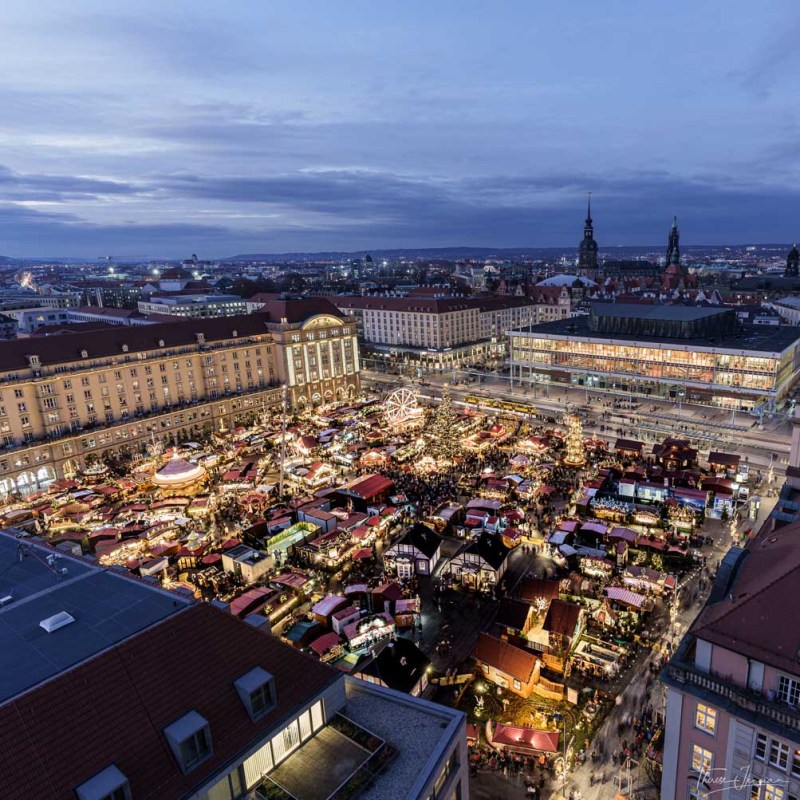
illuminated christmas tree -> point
(444, 439)
(575, 455)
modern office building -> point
(77, 396)
(116, 689)
(437, 333)
(702, 355)
(194, 305)
(733, 684)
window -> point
(761, 747)
(189, 739)
(778, 754)
(706, 718)
(702, 759)
(517, 684)
(796, 763)
(773, 792)
(256, 690)
(109, 784)
(789, 690)
(195, 748)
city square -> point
(528, 569)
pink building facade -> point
(733, 685)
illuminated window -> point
(706, 718)
(773, 792)
(702, 759)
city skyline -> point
(165, 131)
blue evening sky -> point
(165, 128)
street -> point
(709, 427)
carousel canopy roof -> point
(177, 472)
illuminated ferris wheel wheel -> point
(401, 406)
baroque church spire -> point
(673, 244)
(587, 249)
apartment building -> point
(77, 396)
(437, 333)
(116, 689)
(733, 685)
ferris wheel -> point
(401, 406)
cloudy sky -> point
(165, 128)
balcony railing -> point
(746, 699)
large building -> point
(194, 305)
(438, 333)
(700, 354)
(733, 684)
(116, 689)
(68, 399)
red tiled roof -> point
(526, 738)
(298, 310)
(531, 588)
(562, 617)
(113, 709)
(325, 642)
(370, 486)
(138, 338)
(752, 617)
(505, 657)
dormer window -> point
(34, 361)
(256, 690)
(201, 338)
(84, 354)
(124, 348)
(108, 784)
(189, 739)
(161, 343)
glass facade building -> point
(746, 372)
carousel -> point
(180, 477)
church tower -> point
(673, 248)
(587, 249)
(792, 263)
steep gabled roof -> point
(505, 657)
(513, 613)
(425, 539)
(562, 617)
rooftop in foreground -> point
(755, 338)
(417, 729)
(103, 608)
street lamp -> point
(558, 716)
